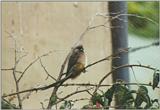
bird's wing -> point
(72, 60)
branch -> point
(107, 58)
(32, 64)
(102, 85)
(48, 75)
(61, 73)
(118, 15)
(143, 47)
(7, 69)
(14, 76)
(120, 67)
(72, 84)
(81, 99)
(69, 95)
(60, 82)
(10, 69)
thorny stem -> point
(76, 92)
(102, 85)
(120, 67)
(99, 84)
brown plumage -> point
(76, 62)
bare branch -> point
(69, 95)
(10, 69)
(48, 75)
(15, 79)
(117, 16)
(7, 69)
(102, 85)
(107, 58)
(58, 80)
(143, 47)
(81, 99)
(32, 64)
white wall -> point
(40, 27)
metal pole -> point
(119, 38)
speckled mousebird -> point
(77, 62)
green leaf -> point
(5, 105)
(138, 101)
(154, 101)
(124, 96)
(142, 96)
(53, 99)
(86, 107)
(109, 94)
(66, 105)
(105, 102)
(155, 80)
(97, 98)
(142, 90)
(62, 107)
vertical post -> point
(119, 38)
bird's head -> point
(79, 48)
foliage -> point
(66, 105)
(125, 98)
(142, 96)
(7, 105)
(144, 27)
(155, 79)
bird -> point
(76, 62)
(76, 65)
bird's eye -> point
(81, 48)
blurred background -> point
(142, 32)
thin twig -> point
(32, 64)
(58, 80)
(135, 76)
(102, 85)
(108, 57)
(117, 16)
(81, 99)
(143, 47)
(15, 79)
(11, 69)
(7, 69)
(69, 95)
(48, 75)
